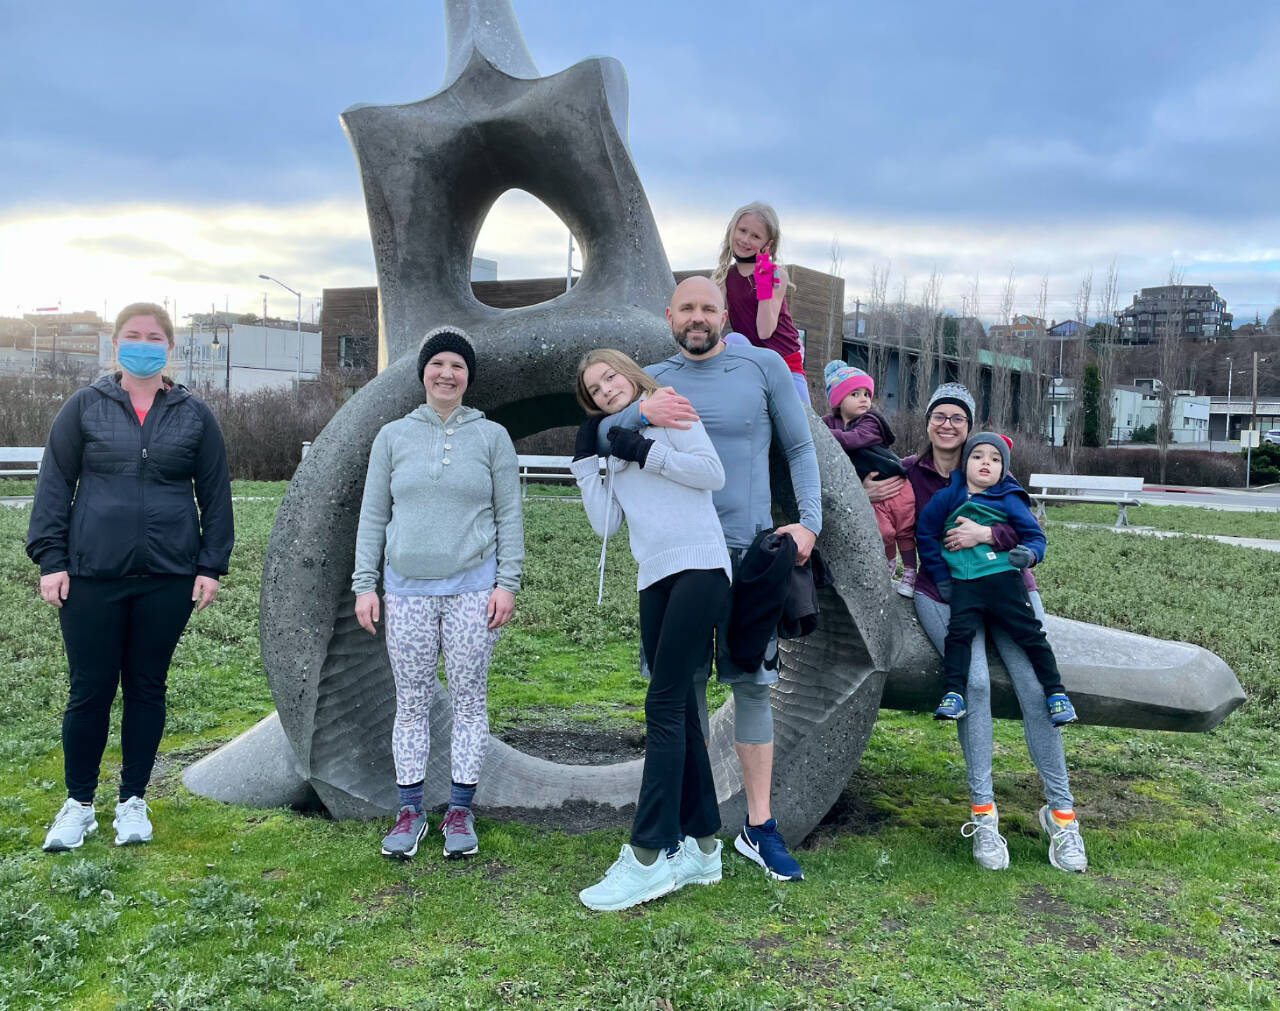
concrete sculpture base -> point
(431, 171)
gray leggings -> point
(752, 716)
(1044, 741)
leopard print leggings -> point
(418, 630)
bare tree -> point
(900, 338)
(1001, 351)
(1032, 414)
(967, 340)
(1168, 368)
(1105, 349)
(876, 315)
(1075, 421)
(930, 333)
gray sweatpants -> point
(1044, 740)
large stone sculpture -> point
(431, 172)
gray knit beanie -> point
(1002, 442)
(448, 338)
(953, 393)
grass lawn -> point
(239, 908)
(1187, 519)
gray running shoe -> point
(402, 841)
(131, 822)
(1066, 847)
(693, 867)
(73, 822)
(459, 828)
(989, 847)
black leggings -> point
(999, 599)
(118, 632)
(677, 792)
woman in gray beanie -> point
(949, 416)
(441, 508)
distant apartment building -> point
(1067, 328)
(1193, 311)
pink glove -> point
(765, 277)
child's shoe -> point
(908, 585)
(950, 708)
(1061, 711)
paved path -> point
(1227, 499)
(1240, 542)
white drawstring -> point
(604, 541)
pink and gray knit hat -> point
(842, 379)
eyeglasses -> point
(954, 420)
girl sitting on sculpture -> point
(660, 480)
(442, 507)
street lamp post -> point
(268, 277)
(227, 327)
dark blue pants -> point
(677, 792)
(119, 633)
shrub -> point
(1147, 434)
(1265, 468)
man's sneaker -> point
(629, 882)
(693, 867)
(907, 587)
(1066, 847)
(764, 844)
(459, 828)
(131, 822)
(1061, 711)
(74, 821)
(950, 708)
(402, 841)
(990, 849)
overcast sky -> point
(153, 150)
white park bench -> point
(20, 461)
(1086, 488)
(543, 468)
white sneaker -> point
(990, 849)
(693, 867)
(629, 882)
(131, 822)
(73, 822)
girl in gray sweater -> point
(441, 508)
(660, 480)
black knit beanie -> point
(448, 338)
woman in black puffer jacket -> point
(131, 528)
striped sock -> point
(1062, 818)
(411, 796)
(987, 808)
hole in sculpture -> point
(527, 241)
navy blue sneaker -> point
(950, 708)
(764, 844)
(1061, 711)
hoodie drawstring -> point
(604, 541)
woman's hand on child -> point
(367, 611)
(966, 534)
(502, 603)
(881, 491)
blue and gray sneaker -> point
(764, 844)
(1061, 711)
(402, 841)
(459, 830)
(950, 708)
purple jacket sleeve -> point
(864, 432)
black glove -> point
(944, 589)
(585, 443)
(628, 445)
(1022, 557)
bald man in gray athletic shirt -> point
(746, 399)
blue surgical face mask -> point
(142, 359)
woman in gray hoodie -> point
(661, 480)
(441, 507)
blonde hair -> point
(766, 214)
(621, 363)
(144, 309)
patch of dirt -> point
(574, 818)
(274, 874)
(891, 926)
(767, 943)
(852, 814)
(577, 746)
(494, 870)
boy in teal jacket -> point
(983, 585)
